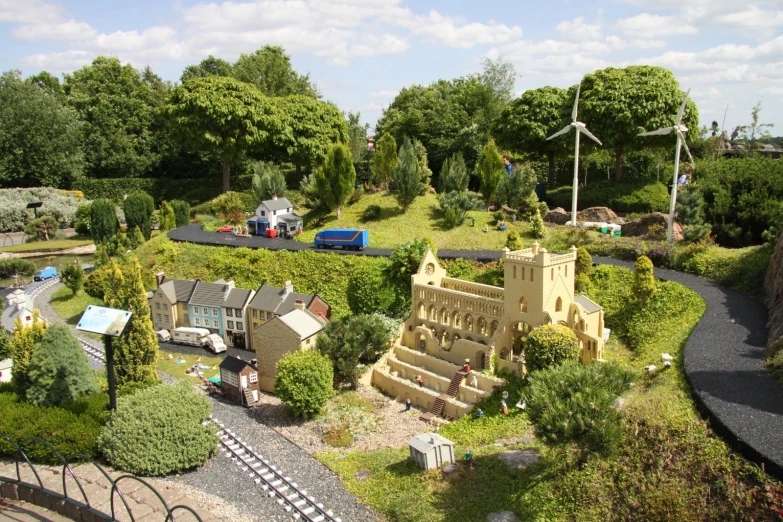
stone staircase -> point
(437, 405)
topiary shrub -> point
(644, 282)
(537, 225)
(181, 212)
(59, 371)
(304, 381)
(139, 207)
(550, 345)
(371, 213)
(513, 241)
(103, 220)
(158, 430)
(370, 290)
(582, 269)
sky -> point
(360, 53)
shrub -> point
(574, 403)
(550, 345)
(644, 282)
(72, 276)
(371, 213)
(405, 261)
(59, 371)
(642, 196)
(370, 290)
(139, 207)
(24, 344)
(498, 216)
(103, 220)
(135, 237)
(82, 225)
(42, 228)
(455, 206)
(537, 225)
(167, 218)
(267, 181)
(158, 430)
(513, 241)
(460, 269)
(582, 269)
(304, 381)
(181, 212)
(59, 204)
(10, 267)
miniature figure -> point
(504, 407)
(408, 404)
(479, 413)
(468, 459)
(420, 381)
(466, 367)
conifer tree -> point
(537, 225)
(101, 257)
(103, 220)
(24, 343)
(582, 269)
(453, 175)
(384, 160)
(690, 214)
(513, 241)
(406, 176)
(490, 170)
(136, 238)
(168, 221)
(424, 169)
(644, 282)
(139, 207)
(336, 178)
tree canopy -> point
(336, 178)
(270, 69)
(209, 66)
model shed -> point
(431, 451)
(239, 381)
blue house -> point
(205, 306)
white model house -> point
(276, 213)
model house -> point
(239, 381)
(276, 213)
(235, 322)
(18, 305)
(290, 332)
(455, 320)
(431, 451)
(271, 301)
(169, 302)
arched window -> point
(433, 313)
(504, 354)
(558, 305)
(523, 273)
(522, 304)
(493, 326)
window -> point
(515, 271)
(268, 316)
(238, 313)
(229, 312)
(229, 377)
(214, 312)
(240, 326)
(308, 341)
(523, 273)
(559, 305)
(531, 275)
(263, 213)
(198, 321)
(204, 311)
(187, 319)
(274, 212)
(166, 318)
(253, 377)
(255, 314)
(231, 325)
(215, 324)
(165, 307)
(160, 295)
(157, 306)
(157, 317)
(256, 325)
(522, 304)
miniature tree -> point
(101, 257)
(72, 276)
(455, 206)
(406, 176)
(168, 220)
(405, 261)
(583, 268)
(139, 207)
(490, 171)
(425, 172)
(304, 381)
(229, 207)
(42, 228)
(181, 212)
(268, 182)
(59, 371)
(690, 213)
(24, 343)
(136, 238)
(550, 345)
(5, 345)
(644, 285)
(537, 225)
(103, 220)
(335, 180)
(514, 241)
(454, 175)
(384, 160)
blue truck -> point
(348, 238)
(45, 273)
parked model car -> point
(215, 343)
(163, 336)
(190, 336)
(45, 273)
(348, 238)
(225, 228)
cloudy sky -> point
(361, 52)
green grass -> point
(71, 307)
(48, 246)
(167, 364)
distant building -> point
(276, 213)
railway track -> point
(294, 500)
(94, 351)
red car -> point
(225, 228)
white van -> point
(191, 336)
(163, 336)
(215, 343)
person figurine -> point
(420, 381)
(505, 398)
(504, 407)
(479, 413)
(408, 404)
(466, 367)
(473, 220)
(473, 381)
(486, 228)
(508, 165)
(468, 459)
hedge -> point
(60, 204)
(159, 188)
(621, 197)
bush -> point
(370, 290)
(371, 213)
(160, 188)
(574, 403)
(181, 212)
(513, 241)
(644, 282)
(139, 207)
(82, 225)
(583, 268)
(59, 371)
(10, 267)
(460, 269)
(95, 285)
(267, 182)
(550, 345)
(455, 206)
(537, 225)
(43, 228)
(72, 276)
(304, 381)
(103, 220)
(158, 430)
(405, 261)
(59, 204)
(643, 196)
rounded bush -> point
(304, 381)
(157, 431)
(550, 345)
(371, 213)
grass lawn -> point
(168, 365)
(71, 307)
(47, 246)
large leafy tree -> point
(527, 121)
(209, 66)
(310, 126)
(40, 137)
(48, 83)
(385, 159)
(224, 115)
(490, 171)
(406, 176)
(336, 178)
(270, 69)
(619, 104)
(118, 108)
(304, 381)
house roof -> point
(277, 204)
(273, 299)
(237, 298)
(589, 306)
(303, 323)
(177, 290)
(10, 313)
(234, 364)
(424, 442)
(289, 218)
(208, 294)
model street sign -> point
(104, 321)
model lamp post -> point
(109, 323)
(35, 205)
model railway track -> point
(94, 351)
(293, 499)
(40, 287)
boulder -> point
(641, 226)
(600, 215)
(450, 469)
(503, 516)
(558, 216)
(519, 459)
(773, 290)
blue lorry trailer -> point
(45, 273)
(348, 238)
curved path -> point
(724, 356)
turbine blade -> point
(659, 132)
(576, 102)
(587, 133)
(560, 132)
(682, 107)
(685, 145)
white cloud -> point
(28, 11)
(647, 25)
(64, 31)
(578, 30)
(383, 94)
(59, 62)
(450, 32)
(775, 90)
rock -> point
(773, 290)
(641, 226)
(519, 459)
(557, 216)
(503, 516)
(362, 475)
(600, 215)
(450, 469)
(526, 440)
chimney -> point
(274, 196)
(230, 283)
(299, 305)
(159, 275)
(288, 288)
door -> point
(239, 340)
(243, 382)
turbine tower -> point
(679, 129)
(580, 129)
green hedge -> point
(621, 197)
(159, 188)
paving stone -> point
(8, 491)
(519, 459)
(503, 516)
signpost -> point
(110, 323)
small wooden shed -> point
(239, 381)
(431, 451)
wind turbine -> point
(580, 129)
(679, 129)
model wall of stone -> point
(272, 341)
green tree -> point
(405, 261)
(490, 171)
(352, 343)
(453, 175)
(527, 122)
(582, 269)
(136, 351)
(181, 212)
(138, 208)
(268, 181)
(644, 286)
(269, 69)
(619, 104)
(24, 344)
(550, 345)
(101, 257)
(537, 225)
(336, 178)
(5, 345)
(168, 220)
(82, 225)
(59, 371)
(514, 241)
(209, 66)
(357, 142)
(118, 108)
(103, 220)
(690, 214)
(223, 115)
(516, 187)
(456, 205)
(304, 381)
(384, 160)
(40, 137)
(72, 276)
(47, 83)
(42, 228)
(406, 177)
(424, 169)
(135, 237)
